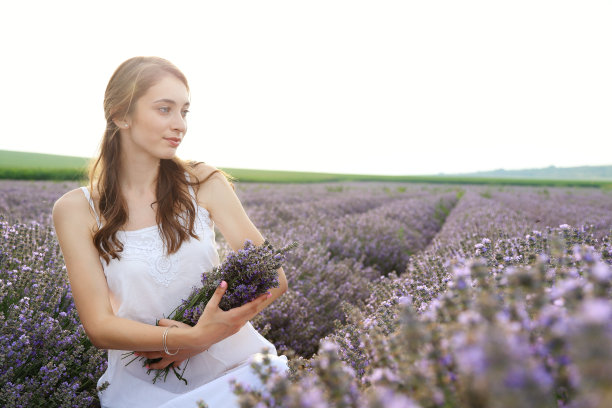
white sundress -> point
(146, 285)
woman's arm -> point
(219, 198)
(74, 225)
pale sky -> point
(375, 87)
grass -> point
(24, 160)
(36, 166)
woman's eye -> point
(164, 109)
(185, 112)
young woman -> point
(138, 239)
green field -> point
(24, 160)
(36, 166)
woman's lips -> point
(174, 141)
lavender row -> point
(281, 206)
(338, 258)
(552, 207)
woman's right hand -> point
(216, 324)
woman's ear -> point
(121, 124)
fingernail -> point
(269, 294)
(223, 284)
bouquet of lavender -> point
(249, 273)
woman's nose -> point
(180, 123)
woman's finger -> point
(264, 297)
(177, 364)
(148, 354)
(251, 308)
(170, 322)
(216, 297)
(163, 363)
(260, 300)
(165, 322)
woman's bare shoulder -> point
(72, 206)
(216, 182)
(71, 200)
(204, 170)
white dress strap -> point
(91, 203)
(191, 191)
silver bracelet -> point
(164, 341)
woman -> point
(138, 239)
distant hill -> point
(595, 173)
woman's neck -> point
(138, 173)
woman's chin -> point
(168, 155)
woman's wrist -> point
(201, 337)
(185, 338)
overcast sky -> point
(378, 87)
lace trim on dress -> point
(91, 204)
(205, 218)
(147, 246)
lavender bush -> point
(46, 358)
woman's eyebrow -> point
(170, 101)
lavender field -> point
(400, 295)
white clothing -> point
(147, 285)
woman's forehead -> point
(168, 88)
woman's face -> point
(158, 123)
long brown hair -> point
(176, 212)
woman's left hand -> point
(166, 360)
